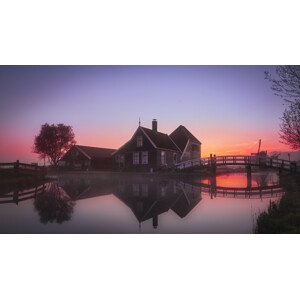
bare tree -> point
(290, 126)
(286, 84)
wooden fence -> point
(17, 168)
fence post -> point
(16, 167)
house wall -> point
(169, 158)
(132, 147)
(192, 151)
(74, 159)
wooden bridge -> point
(248, 161)
(17, 168)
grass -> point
(284, 216)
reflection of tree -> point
(54, 205)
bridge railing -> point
(260, 161)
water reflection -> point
(149, 199)
(54, 204)
(126, 203)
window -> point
(145, 190)
(175, 158)
(163, 158)
(195, 148)
(139, 141)
(144, 157)
(136, 189)
(136, 158)
(163, 191)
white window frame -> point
(145, 159)
(136, 158)
(163, 158)
(139, 141)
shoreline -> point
(283, 217)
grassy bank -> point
(284, 216)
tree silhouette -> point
(286, 85)
(53, 142)
(54, 205)
(290, 126)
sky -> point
(228, 108)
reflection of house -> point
(151, 150)
(87, 157)
(148, 199)
(83, 187)
(188, 199)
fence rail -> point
(22, 168)
(18, 196)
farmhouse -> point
(81, 157)
(150, 150)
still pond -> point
(99, 203)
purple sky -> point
(227, 107)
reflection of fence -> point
(18, 196)
(17, 168)
(241, 161)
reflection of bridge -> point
(253, 192)
(248, 161)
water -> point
(97, 203)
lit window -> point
(163, 158)
(136, 158)
(144, 157)
(139, 141)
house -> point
(188, 144)
(150, 150)
(81, 157)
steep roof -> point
(95, 152)
(181, 135)
(160, 140)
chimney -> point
(154, 125)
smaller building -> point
(81, 157)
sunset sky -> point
(228, 108)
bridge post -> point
(213, 164)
